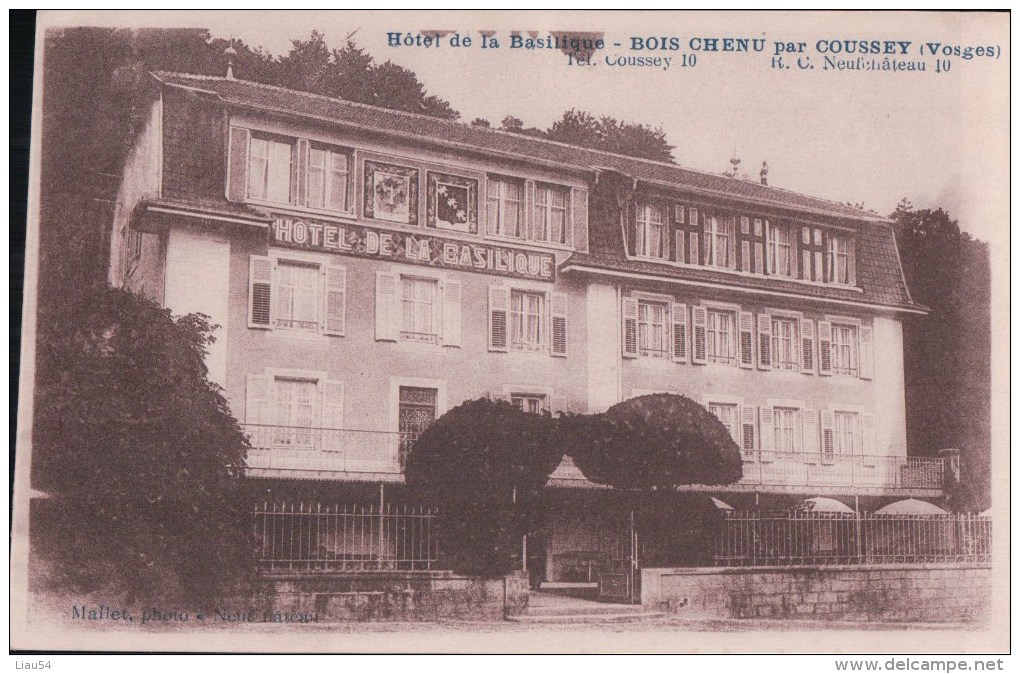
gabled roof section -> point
(501, 143)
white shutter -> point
(868, 439)
(828, 436)
(748, 428)
(767, 433)
(824, 348)
(257, 410)
(452, 291)
(764, 342)
(335, 309)
(851, 261)
(807, 346)
(558, 323)
(332, 415)
(746, 319)
(680, 332)
(630, 328)
(681, 248)
(810, 433)
(731, 241)
(699, 348)
(387, 312)
(260, 292)
(499, 318)
(694, 247)
(867, 352)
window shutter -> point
(852, 261)
(828, 436)
(810, 431)
(768, 422)
(748, 429)
(257, 410)
(699, 350)
(681, 246)
(299, 173)
(746, 339)
(824, 348)
(807, 346)
(680, 333)
(731, 241)
(332, 415)
(694, 248)
(764, 342)
(578, 232)
(336, 300)
(868, 441)
(558, 324)
(452, 296)
(629, 216)
(499, 318)
(529, 226)
(386, 307)
(867, 352)
(630, 328)
(237, 164)
(260, 292)
(759, 245)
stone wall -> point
(923, 593)
(395, 596)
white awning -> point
(911, 506)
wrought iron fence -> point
(751, 538)
(320, 538)
(327, 449)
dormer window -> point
(780, 250)
(838, 256)
(269, 169)
(719, 241)
(328, 178)
(650, 231)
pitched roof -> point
(383, 120)
(878, 273)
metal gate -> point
(619, 581)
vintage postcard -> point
(388, 331)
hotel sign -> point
(423, 249)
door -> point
(619, 581)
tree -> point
(947, 353)
(139, 453)
(653, 442)
(577, 127)
(482, 465)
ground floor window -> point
(416, 412)
(531, 403)
(729, 416)
(786, 429)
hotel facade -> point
(371, 269)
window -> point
(786, 429)
(653, 338)
(844, 349)
(417, 410)
(839, 260)
(269, 170)
(729, 416)
(533, 404)
(550, 221)
(526, 310)
(328, 179)
(296, 295)
(298, 299)
(720, 339)
(719, 233)
(650, 232)
(847, 427)
(785, 351)
(505, 207)
(418, 309)
(294, 412)
(780, 250)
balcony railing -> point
(289, 448)
(358, 451)
(819, 470)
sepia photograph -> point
(515, 332)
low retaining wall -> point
(396, 596)
(888, 592)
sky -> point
(937, 139)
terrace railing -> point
(290, 448)
(802, 469)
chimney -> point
(764, 173)
(230, 53)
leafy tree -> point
(947, 354)
(577, 127)
(140, 455)
(651, 442)
(483, 464)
